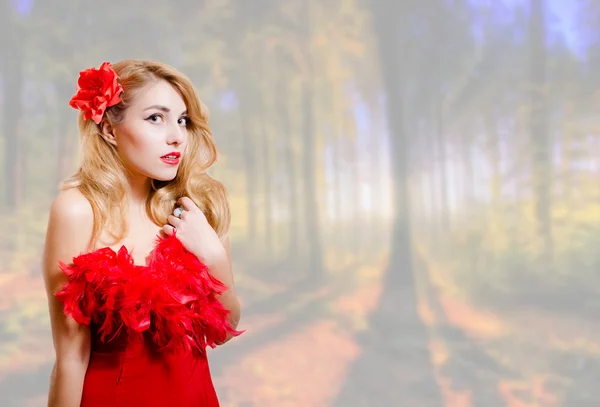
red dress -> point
(150, 326)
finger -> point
(174, 220)
(168, 229)
(187, 203)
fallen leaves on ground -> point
(305, 368)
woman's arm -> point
(68, 234)
(223, 271)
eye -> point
(184, 121)
(155, 118)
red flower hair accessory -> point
(97, 89)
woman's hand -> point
(196, 234)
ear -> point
(107, 132)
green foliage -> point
(501, 256)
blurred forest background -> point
(414, 186)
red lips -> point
(171, 158)
(174, 154)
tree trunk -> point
(289, 160)
(310, 193)
(267, 173)
(11, 66)
(542, 166)
(357, 221)
(66, 146)
(441, 158)
(394, 367)
(249, 159)
(337, 141)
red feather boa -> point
(174, 298)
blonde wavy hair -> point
(101, 176)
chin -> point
(163, 175)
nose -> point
(176, 134)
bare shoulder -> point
(71, 203)
(71, 218)
(68, 233)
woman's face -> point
(152, 136)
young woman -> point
(136, 259)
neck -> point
(139, 188)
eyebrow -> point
(162, 108)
